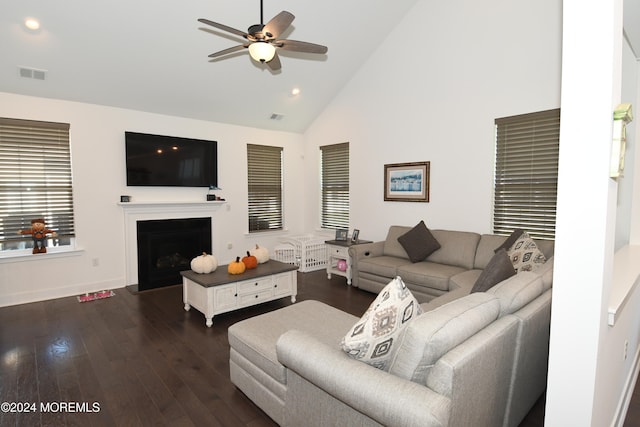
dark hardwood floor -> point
(142, 359)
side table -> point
(338, 250)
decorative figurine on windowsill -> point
(39, 233)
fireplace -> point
(166, 247)
(135, 212)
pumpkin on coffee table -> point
(250, 261)
(236, 267)
(261, 254)
(204, 264)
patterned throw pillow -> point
(525, 255)
(372, 338)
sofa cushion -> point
(525, 255)
(498, 269)
(428, 274)
(372, 338)
(391, 245)
(487, 249)
(546, 272)
(517, 291)
(418, 242)
(457, 248)
(385, 266)
(255, 338)
(464, 280)
(432, 334)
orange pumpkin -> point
(250, 261)
(236, 267)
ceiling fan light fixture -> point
(262, 51)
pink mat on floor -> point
(95, 295)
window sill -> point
(265, 232)
(626, 277)
(26, 255)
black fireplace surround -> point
(166, 247)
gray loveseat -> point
(478, 360)
(453, 269)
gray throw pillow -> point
(498, 269)
(418, 242)
(510, 240)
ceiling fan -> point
(263, 40)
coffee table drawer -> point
(255, 297)
(256, 285)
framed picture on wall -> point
(406, 182)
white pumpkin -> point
(204, 263)
(261, 254)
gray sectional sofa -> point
(479, 359)
(453, 269)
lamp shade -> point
(262, 51)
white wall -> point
(98, 162)
(589, 377)
(431, 92)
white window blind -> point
(526, 174)
(35, 181)
(265, 187)
(335, 186)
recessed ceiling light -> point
(32, 23)
(295, 91)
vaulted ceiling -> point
(153, 56)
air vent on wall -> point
(276, 116)
(32, 73)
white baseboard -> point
(46, 294)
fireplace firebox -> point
(167, 246)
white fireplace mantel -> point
(147, 211)
(154, 205)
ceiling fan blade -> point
(278, 24)
(275, 64)
(224, 28)
(228, 50)
(297, 46)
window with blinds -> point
(335, 186)
(526, 174)
(265, 187)
(35, 181)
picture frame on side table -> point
(355, 235)
(341, 235)
(406, 182)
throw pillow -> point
(372, 338)
(497, 270)
(510, 240)
(418, 242)
(525, 255)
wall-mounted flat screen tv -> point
(168, 161)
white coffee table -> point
(221, 292)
